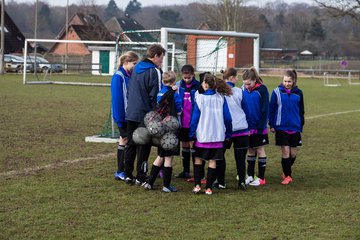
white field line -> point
(27, 171)
(65, 162)
(331, 114)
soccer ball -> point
(156, 129)
(169, 141)
(171, 124)
(155, 141)
(141, 136)
(152, 116)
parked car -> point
(14, 63)
(45, 65)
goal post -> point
(230, 34)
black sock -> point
(120, 158)
(220, 171)
(167, 176)
(202, 170)
(197, 172)
(211, 176)
(240, 156)
(292, 159)
(153, 174)
(251, 165)
(286, 165)
(262, 167)
(186, 159)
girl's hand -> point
(272, 130)
(175, 88)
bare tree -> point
(341, 8)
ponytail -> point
(228, 73)
(217, 84)
(252, 74)
(129, 56)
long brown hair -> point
(217, 84)
(228, 73)
(252, 74)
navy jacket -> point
(118, 88)
(194, 87)
(287, 109)
(144, 86)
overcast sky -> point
(123, 3)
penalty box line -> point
(66, 162)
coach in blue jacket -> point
(144, 86)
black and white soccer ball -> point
(152, 116)
(169, 141)
(141, 136)
(156, 129)
(171, 124)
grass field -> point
(56, 186)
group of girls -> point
(215, 113)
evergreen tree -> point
(169, 18)
(316, 31)
(133, 7)
(112, 9)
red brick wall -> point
(73, 48)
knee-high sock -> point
(186, 159)
(197, 172)
(153, 174)
(240, 156)
(262, 167)
(220, 171)
(167, 176)
(251, 165)
(292, 159)
(120, 158)
(286, 164)
(211, 176)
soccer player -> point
(286, 119)
(188, 85)
(119, 86)
(256, 97)
(170, 100)
(210, 126)
(240, 131)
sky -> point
(123, 3)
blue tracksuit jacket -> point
(287, 109)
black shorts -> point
(209, 153)
(184, 134)
(123, 130)
(240, 142)
(168, 153)
(258, 140)
(285, 139)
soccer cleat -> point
(203, 181)
(183, 175)
(208, 191)
(169, 189)
(219, 186)
(196, 189)
(249, 179)
(190, 180)
(287, 180)
(129, 180)
(147, 186)
(242, 186)
(120, 176)
(140, 182)
(258, 182)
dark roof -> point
(13, 39)
(124, 24)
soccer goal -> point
(352, 79)
(76, 62)
(334, 81)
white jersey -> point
(238, 115)
(211, 126)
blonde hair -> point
(129, 56)
(168, 78)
